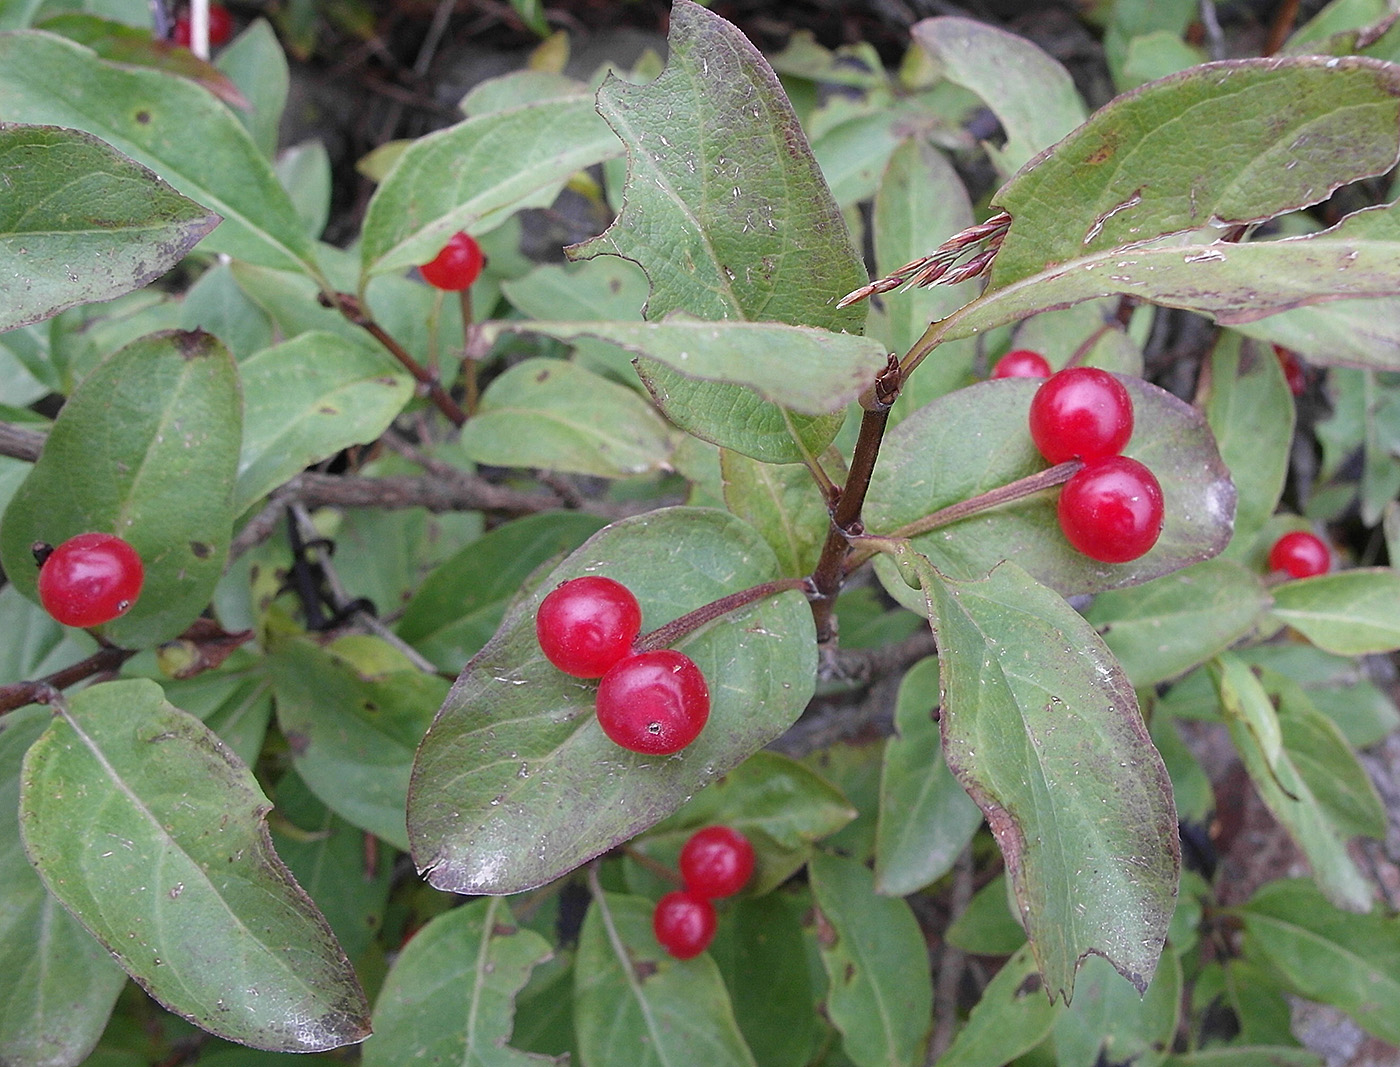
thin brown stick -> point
(20, 694)
(19, 443)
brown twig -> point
(19, 694)
(673, 631)
(1282, 26)
(19, 443)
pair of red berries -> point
(220, 27)
(715, 862)
(89, 579)
(1112, 508)
(457, 265)
(1300, 555)
(654, 702)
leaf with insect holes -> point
(975, 440)
(1280, 134)
(515, 783)
(81, 222)
(1042, 728)
(153, 834)
(146, 448)
(726, 211)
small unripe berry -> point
(1300, 555)
(90, 579)
(684, 924)
(457, 265)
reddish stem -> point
(673, 631)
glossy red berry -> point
(684, 924)
(654, 702)
(220, 27)
(1081, 413)
(587, 624)
(716, 862)
(457, 265)
(90, 579)
(1300, 555)
(1293, 372)
(1022, 363)
(1112, 510)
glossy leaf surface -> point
(146, 448)
(148, 115)
(117, 800)
(634, 1004)
(81, 222)
(305, 400)
(880, 994)
(1042, 728)
(60, 984)
(976, 439)
(515, 782)
(451, 995)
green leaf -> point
(783, 503)
(1280, 134)
(515, 783)
(1337, 686)
(236, 704)
(256, 63)
(81, 222)
(459, 604)
(305, 400)
(1349, 612)
(1030, 93)
(1162, 629)
(1013, 1016)
(35, 644)
(1247, 1056)
(149, 115)
(881, 994)
(471, 175)
(636, 1005)
(556, 415)
(60, 984)
(780, 805)
(752, 235)
(760, 952)
(1043, 730)
(117, 800)
(146, 448)
(1328, 955)
(725, 208)
(327, 856)
(1353, 333)
(215, 304)
(1250, 411)
(975, 439)
(353, 713)
(988, 925)
(1111, 1022)
(1255, 728)
(926, 818)
(762, 356)
(451, 995)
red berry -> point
(90, 579)
(1022, 363)
(1112, 510)
(684, 924)
(457, 265)
(1081, 413)
(220, 27)
(1300, 554)
(654, 702)
(586, 625)
(1293, 372)
(716, 862)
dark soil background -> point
(383, 71)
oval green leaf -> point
(515, 782)
(976, 439)
(81, 222)
(117, 801)
(1351, 612)
(146, 448)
